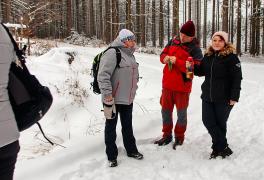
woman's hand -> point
(232, 103)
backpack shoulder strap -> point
(17, 50)
(118, 55)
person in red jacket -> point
(176, 85)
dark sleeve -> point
(198, 68)
(197, 54)
(236, 77)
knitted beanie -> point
(188, 28)
(125, 35)
(223, 34)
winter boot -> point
(136, 155)
(178, 142)
(112, 163)
(214, 154)
(164, 141)
(226, 152)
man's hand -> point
(166, 59)
(173, 59)
(108, 98)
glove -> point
(109, 109)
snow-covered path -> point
(80, 129)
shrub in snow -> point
(80, 39)
(40, 47)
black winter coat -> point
(223, 77)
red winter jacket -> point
(175, 79)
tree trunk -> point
(143, 26)
(101, 20)
(198, 21)
(190, 10)
(238, 46)
(218, 16)
(138, 32)
(168, 20)
(205, 25)
(225, 16)
(213, 18)
(107, 30)
(128, 15)
(253, 29)
(258, 27)
(161, 25)
(232, 21)
(263, 32)
(175, 20)
(92, 17)
(246, 27)
(154, 23)
(78, 18)
(84, 16)
(69, 17)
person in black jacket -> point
(220, 90)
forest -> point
(153, 21)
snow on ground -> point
(77, 125)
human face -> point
(184, 38)
(130, 43)
(218, 43)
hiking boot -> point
(214, 154)
(178, 142)
(226, 152)
(164, 141)
(112, 163)
(136, 155)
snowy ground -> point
(78, 124)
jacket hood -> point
(117, 43)
(228, 49)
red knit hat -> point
(188, 29)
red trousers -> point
(168, 99)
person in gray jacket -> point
(9, 134)
(118, 86)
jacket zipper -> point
(211, 79)
(133, 69)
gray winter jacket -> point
(121, 82)
(8, 127)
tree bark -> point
(154, 23)
(225, 16)
(213, 18)
(143, 25)
(175, 20)
(107, 29)
(128, 15)
(69, 16)
(138, 32)
(205, 25)
(238, 44)
(161, 25)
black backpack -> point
(95, 68)
(29, 99)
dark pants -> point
(8, 157)
(215, 116)
(125, 112)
